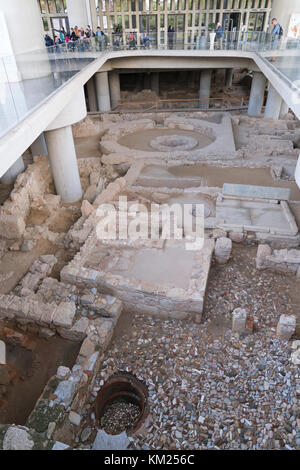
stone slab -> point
(263, 192)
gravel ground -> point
(209, 389)
(119, 416)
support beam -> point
(257, 94)
(154, 78)
(283, 110)
(273, 104)
(14, 171)
(147, 83)
(102, 88)
(114, 87)
(39, 147)
(92, 97)
(228, 77)
(63, 163)
(205, 84)
(191, 79)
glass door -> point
(176, 30)
(148, 24)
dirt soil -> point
(87, 146)
(32, 370)
(15, 264)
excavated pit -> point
(121, 405)
(67, 307)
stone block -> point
(12, 226)
(64, 314)
(74, 418)
(17, 438)
(239, 318)
(62, 372)
(86, 208)
(77, 332)
(286, 327)
(87, 348)
(223, 250)
(236, 237)
(263, 252)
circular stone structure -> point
(168, 143)
(126, 387)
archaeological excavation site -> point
(140, 343)
(150, 228)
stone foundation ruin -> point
(61, 282)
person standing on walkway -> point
(277, 32)
(219, 35)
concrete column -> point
(257, 94)
(147, 83)
(154, 78)
(204, 93)
(16, 15)
(102, 89)
(273, 104)
(77, 13)
(114, 87)
(190, 79)
(39, 147)
(228, 77)
(13, 16)
(283, 110)
(63, 163)
(11, 174)
(92, 97)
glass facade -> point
(189, 18)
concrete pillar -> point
(102, 89)
(16, 14)
(11, 174)
(228, 77)
(273, 104)
(204, 93)
(257, 94)
(284, 109)
(154, 78)
(147, 83)
(63, 163)
(13, 16)
(114, 87)
(190, 79)
(92, 97)
(77, 13)
(39, 147)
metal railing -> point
(237, 40)
(27, 80)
